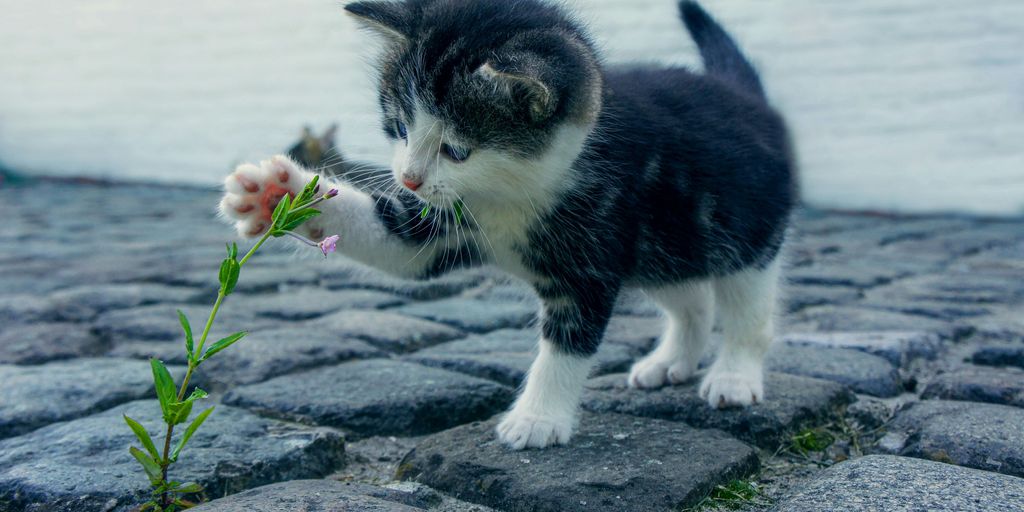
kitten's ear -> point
(388, 18)
(523, 80)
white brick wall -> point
(908, 104)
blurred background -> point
(905, 105)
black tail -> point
(722, 58)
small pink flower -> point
(328, 245)
(331, 193)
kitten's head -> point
(482, 98)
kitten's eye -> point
(456, 154)
(401, 130)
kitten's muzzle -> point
(411, 182)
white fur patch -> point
(545, 412)
(690, 311)
(746, 309)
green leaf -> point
(425, 211)
(296, 219)
(151, 466)
(458, 212)
(165, 391)
(307, 193)
(222, 344)
(147, 506)
(189, 488)
(189, 343)
(233, 252)
(182, 410)
(140, 432)
(225, 268)
(229, 270)
(188, 433)
(280, 211)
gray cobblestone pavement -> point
(899, 366)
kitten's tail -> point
(722, 57)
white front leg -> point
(545, 412)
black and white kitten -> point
(578, 179)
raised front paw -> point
(252, 192)
(521, 430)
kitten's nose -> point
(411, 182)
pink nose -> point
(412, 184)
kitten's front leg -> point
(384, 232)
(545, 412)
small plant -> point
(811, 441)
(734, 495)
(170, 495)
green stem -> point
(165, 499)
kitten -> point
(578, 179)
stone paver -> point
(999, 355)
(505, 356)
(318, 495)
(38, 395)
(473, 315)
(615, 462)
(160, 322)
(306, 303)
(376, 397)
(899, 347)
(853, 318)
(982, 436)
(84, 303)
(920, 316)
(978, 384)
(385, 329)
(900, 484)
(48, 341)
(434, 289)
(87, 466)
(791, 403)
(863, 373)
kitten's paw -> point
(655, 371)
(252, 192)
(730, 388)
(520, 430)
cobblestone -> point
(978, 384)
(863, 373)
(792, 404)
(897, 484)
(919, 316)
(35, 396)
(976, 435)
(505, 355)
(48, 341)
(473, 315)
(386, 330)
(616, 463)
(87, 466)
(376, 397)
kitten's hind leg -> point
(690, 311)
(746, 308)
